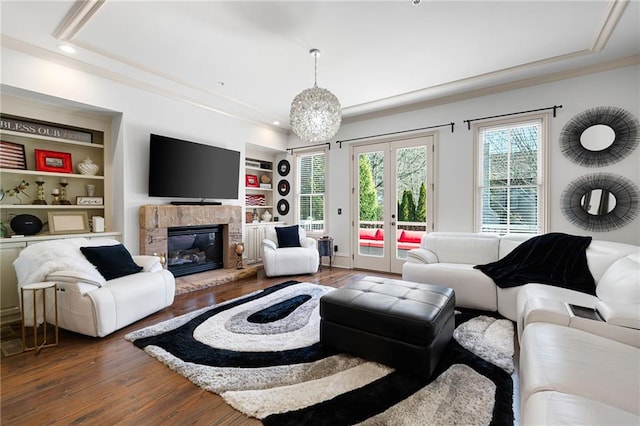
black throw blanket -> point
(557, 259)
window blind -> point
(311, 191)
(510, 178)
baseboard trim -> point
(10, 315)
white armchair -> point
(279, 260)
(87, 302)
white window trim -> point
(543, 172)
(296, 194)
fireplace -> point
(156, 220)
(193, 249)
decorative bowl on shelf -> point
(88, 167)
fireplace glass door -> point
(194, 249)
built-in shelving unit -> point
(254, 222)
(43, 120)
(76, 182)
(256, 169)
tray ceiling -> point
(249, 59)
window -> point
(511, 178)
(311, 199)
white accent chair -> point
(87, 302)
(289, 260)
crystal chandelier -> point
(315, 114)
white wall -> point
(454, 181)
(142, 113)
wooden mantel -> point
(156, 219)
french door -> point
(392, 200)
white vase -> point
(88, 167)
(266, 216)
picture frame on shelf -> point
(53, 161)
(251, 181)
(89, 201)
(12, 156)
(68, 222)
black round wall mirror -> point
(283, 207)
(600, 136)
(283, 187)
(600, 202)
(284, 167)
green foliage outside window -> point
(411, 169)
(369, 207)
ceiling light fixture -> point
(67, 48)
(315, 113)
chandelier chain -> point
(315, 70)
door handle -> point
(393, 224)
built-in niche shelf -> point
(72, 132)
(258, 169)
(76, 183)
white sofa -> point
(447, 258)
(573, 377)
(573, 369)
(87, 303)
(289, 260)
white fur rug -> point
(262, 354)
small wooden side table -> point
(35, 290)
(325, 248)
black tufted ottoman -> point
(399, 323)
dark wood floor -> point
(108, 380)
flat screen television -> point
(183, 169)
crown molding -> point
(83, 11)
(464, 87)
(498, 88)
(60, 59)
(79, 14)
(615, 9)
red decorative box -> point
(252, 181)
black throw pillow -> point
(288, 236)
(111, 261)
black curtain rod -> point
(554, 108)
(395, 133)
(308, 146)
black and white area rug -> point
(262, 354)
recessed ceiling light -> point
(66, 48)
(276, 123)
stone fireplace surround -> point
(156, 219)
